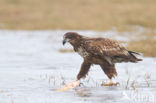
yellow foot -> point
(69, 86)
(109, 84)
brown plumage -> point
(101, 51)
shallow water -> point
(31, 69)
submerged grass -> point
(66, 50)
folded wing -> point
(108, 49)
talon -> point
(111, 83)
(117, 83)
(81, 84)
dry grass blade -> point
(147, 47)
(96, 15)
(147, 78)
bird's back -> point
(106, 48)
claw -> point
(70, 86)
(111, 83)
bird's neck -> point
(76, 44)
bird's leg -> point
(83, 71)
(110, 71)
(111, 83)
(74, 84)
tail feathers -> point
(132, 52)
(139, 59)
(134, 58)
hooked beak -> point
(64, 41)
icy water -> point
(32, 68)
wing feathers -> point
(108, 49)
(105, 47)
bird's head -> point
(71, 37)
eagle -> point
(100, 51)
